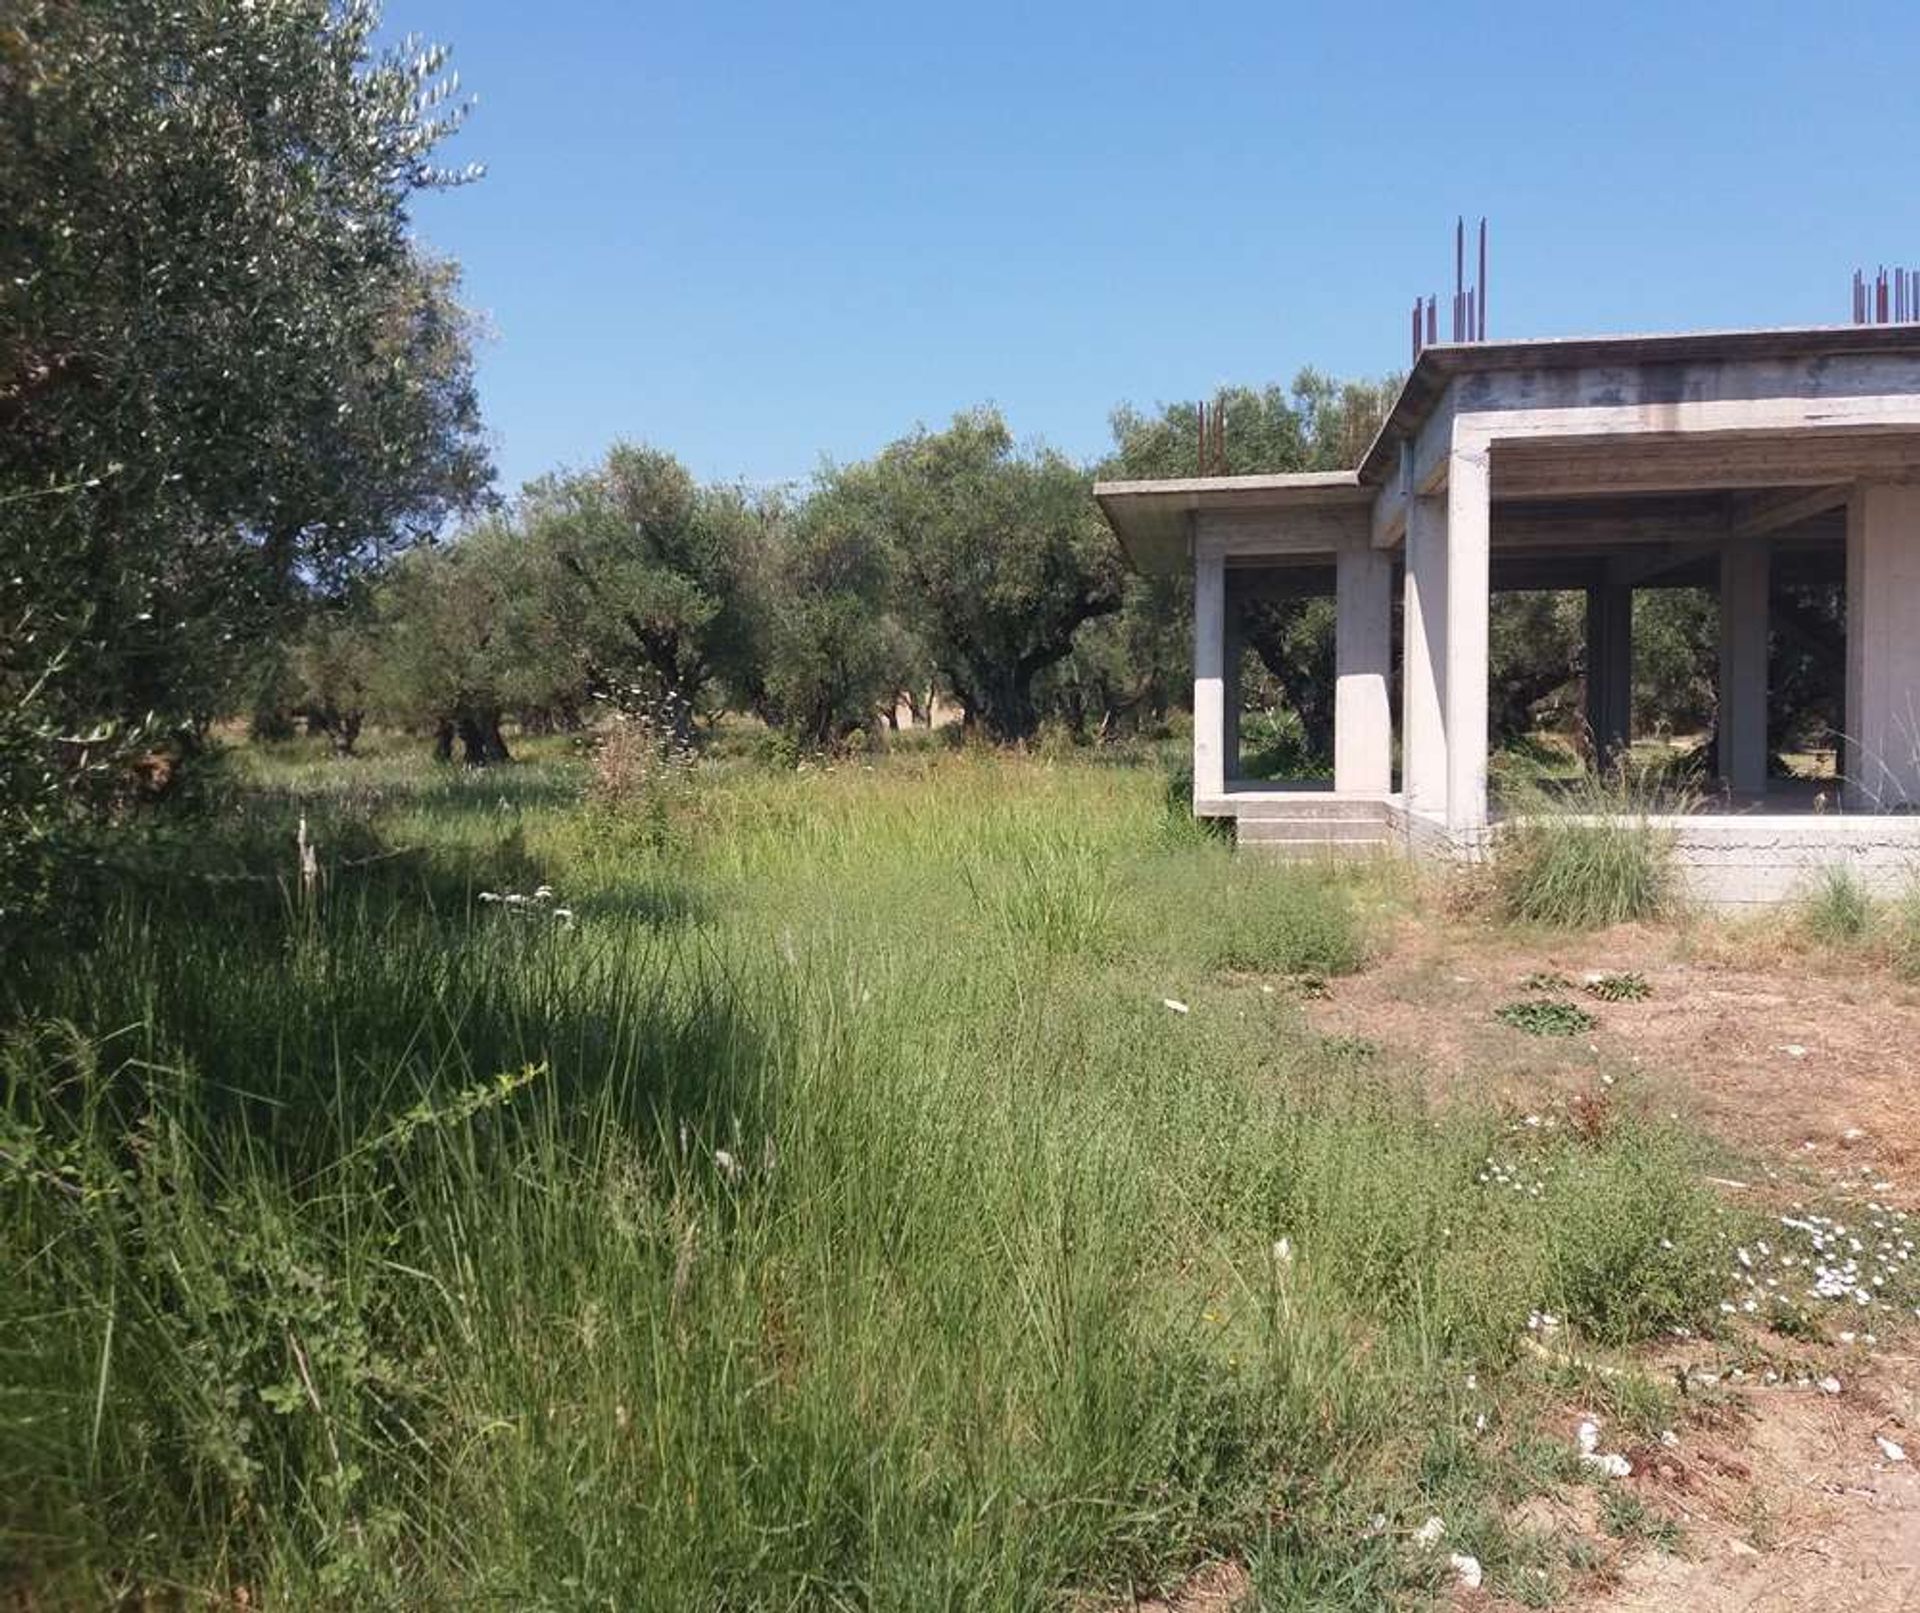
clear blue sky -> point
(760, 234)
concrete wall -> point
(1727, 862)
(1747, 862)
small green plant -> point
(1588, 855)
(1546, 980)
(1629, 986)
(1546, 1016)
(1836, 910)
(1626, 1517)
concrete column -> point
(1423, 657)
(1363, 661)
(1469, 597)
(1609, 671)
(1745, 576)
(1232, 699)
(1881, 766)
(1209, 673)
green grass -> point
(829, 1213)
(1587, 855)
(1836, 909)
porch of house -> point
(1745, 463)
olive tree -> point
(835, 649)
(648, 576)
(1002, 557)
(228, 377)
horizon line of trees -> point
(954, 563)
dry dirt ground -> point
(1808, 1067)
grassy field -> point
(907, 1185)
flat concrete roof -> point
(1444, 362)
(1150, 518)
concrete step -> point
(1315, 850)
(1249, 831)
(1307, 807)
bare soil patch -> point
(1807, 1065)
(1769, 1052)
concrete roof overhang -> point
(1439, 366)
(1155, 519)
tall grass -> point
(1836, 909)
(1588, 854)
(844, 1220)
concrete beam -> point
(1762, 513)
(1363, 661)
(1659, 464)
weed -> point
(1546, 1016)
(1546, 980)
(1627, 987)
(1626, 1517)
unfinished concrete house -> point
(1739, 460)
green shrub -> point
(1588, 856)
